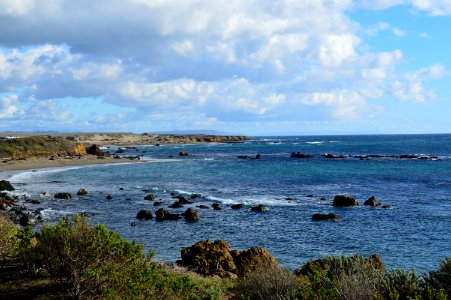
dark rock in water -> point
(218, 259)
(300, 155)
(34, 201)
(203, 207)
(163, 214)
(6, 186)
(63, 196)
(150, 197)
(216, 206)
(344, 201)
(372, 201)
(176, 205)
(258, 156)
(157, 203)
(408, 156)
(95, 150)
(243, 157)
(121, 189)
(133, 224)
(195, 196)
(82, 192)
(237, 206)
(191, 214)
(322, 199)
(259, 208)
(109, 197)
(182, 200)
(324, 217)
(183, 153)
(25, 220)
(144, 214)
(386, 206)
(332, 156)
(310, 196)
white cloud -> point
(398, 32)
(8, 107)
(432, 7)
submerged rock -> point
(325, 217)
(163, 215)
(345, 201)
(372, 201)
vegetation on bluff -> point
(92, 262)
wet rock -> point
(258, 156)
(182, 200)
(310, 196)
(325, 217)
(373, 202)
(157, 203)
(6, 186)
(195, 196)
(259, 208)
(176, 204)
(163, 214)
(332, 156)
(26, 220)
(345, 201)
(203, 206)
(183, 153)
(216, 206)
(150, 197)
(109, 197)
(386, 206)
(300, 155)
(191, 214)
(144, 214)
(34, 201)
(65, 196)
(237, 206)
(82, 192)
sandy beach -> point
(59, 162)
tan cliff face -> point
(79, 149)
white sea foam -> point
(315, 143)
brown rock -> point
(144, 214)
(150, 197)
(191, 215)
(372, 201)
(63, 196)
(82, 192)
(183, 153)
(344, 201)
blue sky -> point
(253, 67)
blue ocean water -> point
(413, 233)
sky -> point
(254, 67)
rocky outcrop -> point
(150, 197)
(325, 217)
(237, 206)
(191, 214)
(82, 192)
(218, 259)
(183, 153)
(182, 200)
(373, 202)
(6, 186)
(259, 208)
(65, 196)
(144, 214)
(95, 150)
(300, 155)
(345, 201)
(79, 149)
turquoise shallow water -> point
(414, 233)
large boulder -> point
(344, 201)
(373, 202)
(191, 214)
(65, 196)
(218, 259)
(144, 214)
(6, 186)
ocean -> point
(415, 232)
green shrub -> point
(268, 283)
(317, 285)
(441, 279)
(7, 238)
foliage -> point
(317, 285)
(441, 279)
(269, 283)
(36, 146)
(7, 237)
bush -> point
(441, 279)
(317, 285)
(270, 282)
(7, 238)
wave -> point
(315, 143)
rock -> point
(310, 196)
(6, 186)
(150, 197)
(63, 196)
(26, 220)
(46, 194)
(163, 214)
(82, 192)
(243, 157)
(324, 217)
(237, 206)
(218, 259)
(34, 201)
(109, 197)
(216, 206)
(259, 208)
(300, 155)
(176, 205)
(372, 201)
(157, 203)
(93, 150)
(386, 206)
(195, 196)
(144, 214)
(191, 214)
(183, 153)
(182, 200)
(332, 156)
(258, 156)
(203, 206)
(343, 200)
